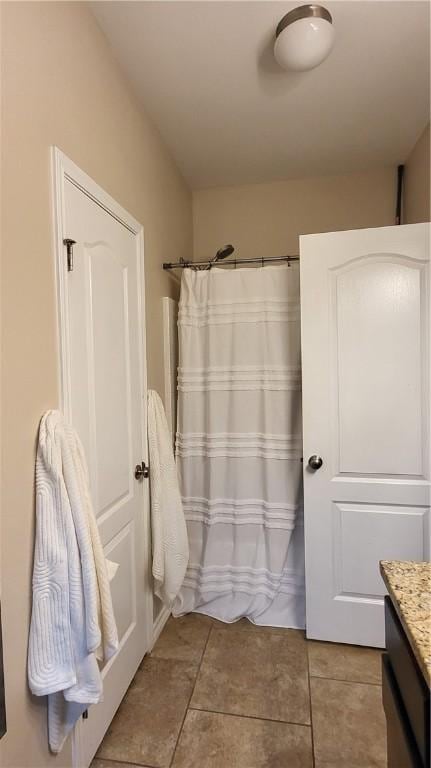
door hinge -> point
(69, 250)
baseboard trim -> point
(159, 623)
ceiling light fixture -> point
(304, 38)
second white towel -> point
(169, 531)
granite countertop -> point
(409, 585)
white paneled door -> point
(104, 393)
(365, 354)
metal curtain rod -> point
(232, 263)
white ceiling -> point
(206, 75)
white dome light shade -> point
(304, 38)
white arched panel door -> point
(365, 361)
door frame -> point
(63, 169)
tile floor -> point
(213, 695)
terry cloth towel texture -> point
(72, 623)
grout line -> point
(249, 717)
(254, 629)
(119, 760)
(343, 680)
(313, 756)
(191, 694)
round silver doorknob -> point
(141, 470)
(315, 462)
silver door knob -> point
(141, 470)
(315, 462)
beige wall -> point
(417, 181)
(266, 219)
(61, 86)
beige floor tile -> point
(256, 674)
(211, 740)
(147, 724)
(349, 727)
(184, 638)
(345, 662)
(246, 625)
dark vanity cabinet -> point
(406, 698)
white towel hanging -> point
(72, 623)
(169, 531)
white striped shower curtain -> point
(239, 444)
